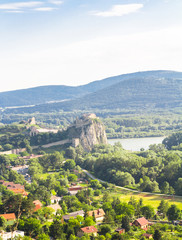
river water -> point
(135, 144)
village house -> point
(10, 218)
(11, 235)
(75, 188)
(120, 230)
(91, 230)
(37, 204)
(99, 214)
(55, 199)
(73, 215)
(55, 207)
(141, 222)
(16, 188)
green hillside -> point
(100, 91)
(147, 90)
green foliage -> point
(72, 178)
(163, 208)
(148, 211)
(56, 230)
(126, 223)
(31, 226)
(3, 223)
(173, 213)
(69, 164)
(173, 140)
(104, 229)
(157, 235)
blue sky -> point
(73, 42)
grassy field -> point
(148, 199)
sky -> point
(74, 42)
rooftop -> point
(90, 229)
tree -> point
(173, 213)
(107, 206)
(165, 187)
(8, 147)
(71, 153)
(116, 236)
(148, 211)
(178, 187)
(3, 223)
(173, 140)
(64, 207)
(157, 235)
(89, 221)
(56, 230)
(124, 209)
(163, 207)
(72, 178)
(31, 226)
(126, 223)
(104, 229)
(95, 184)
(43, 236)
(69, 164)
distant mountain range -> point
(150, 89)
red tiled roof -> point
(37, 207)
(37, 204)
(18, 191)
(8, 216)
(90, 229)
(142, 221)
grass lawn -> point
(152, 200)
(148, 199)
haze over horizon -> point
(54, 42)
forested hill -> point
(145, 90)
(152, 89)
(56, 93)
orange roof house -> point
(141, 222)
(99, 214)
(16, 188)
(87, 230)
(18, 191)
(37, 204)
(9, 216)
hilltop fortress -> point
(87, 131)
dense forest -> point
(119, 124)
(154, 170)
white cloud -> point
(56, 2)
(118, 10)
(20, 5)
(15, 11)
(44, 9)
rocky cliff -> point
(87, 131)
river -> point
(135, 144)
